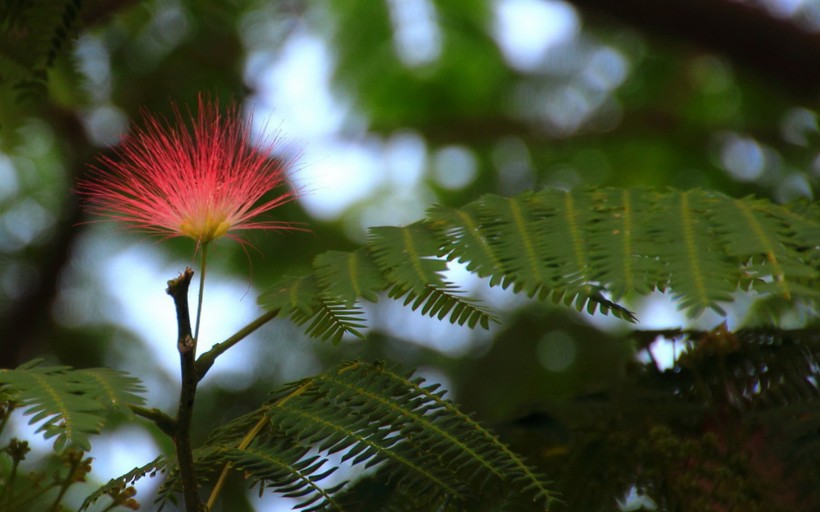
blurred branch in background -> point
(780, 50)
(26, 322)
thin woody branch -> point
(776, 49)
(165, 423)
(206, 360)
(178, 290)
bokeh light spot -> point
(556, 351)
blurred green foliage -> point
(607, 105)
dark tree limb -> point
(778, 50)
(26, 322)
(178, 290)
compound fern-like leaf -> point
(158, 465)
(586, 248)
(32, 35)
(70, 404)
(370, 417)
(327, 316)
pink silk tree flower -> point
(203, 179)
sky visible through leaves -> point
(339, 163)
(335, 170)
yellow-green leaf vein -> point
(691, 248)
(760, 233)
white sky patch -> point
(94, 62)
(295, 86)
(785, 8)
(454, 167)
(335, 176)
(526, 29)
(114, 454)
(19, 427)
(658, 311)
(605, 69)
(635, 501)
(416, 35)
(450, 339)
(495, 298)
(394, 207)
(105, 124)
(9, 184)
(118, 452)
(293, 93)
(137, 278)
(25, 222)
(742, 157)
(405, 159)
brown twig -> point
(777, 49)
(206, 360)
(165, 423)
(178, 290)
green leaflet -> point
(407, 256)
(26, 52)
(401, 262)
(696, 264)
(70, 404)
(303, 300)
(464, 242)
(373, 417)
(349, 276)
(582, 248)
(290, 472)
(619, 241)
(159, 465)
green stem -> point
(6, 497)
(165, 423)
(206, 360)
(63, 488)
(246, 441)
(75, 462)
(186, 345)
(20, 502)
(202, 267)
(251, 435)
(5, 412)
